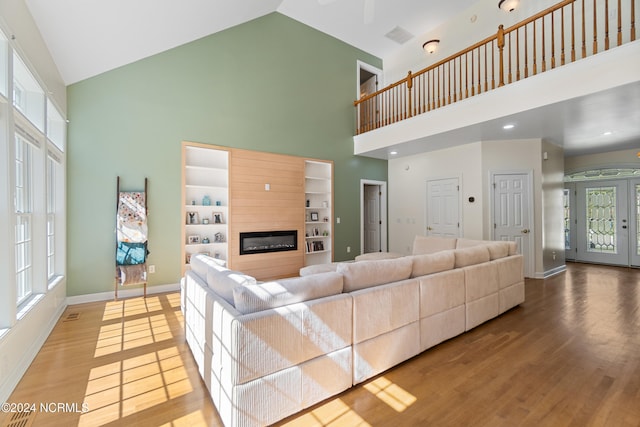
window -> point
(23, 209)
(51, 217)
(4, 64)
(28, 96)
(56, 126)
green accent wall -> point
(272, 84)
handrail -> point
(474, 69)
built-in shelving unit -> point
(318, 212)
(206, 201)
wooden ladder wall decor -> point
(131, 238)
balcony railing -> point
(563, 33)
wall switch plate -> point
(152, 269)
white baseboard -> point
(122, 293)
(551, 272)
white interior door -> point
(602, 228)
(443, 207)
(634, 221)
(372, 223)
(512, 219)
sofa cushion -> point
(431, 244)
(377, 255)
(364, 274)
(472, 255)
(318, 268)
(497, 248)
(200, 263)
(223, 281)
(432, 263)
(266, 295)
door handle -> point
(525, 231)
(429, 229)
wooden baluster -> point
(606, 24)
(473, 71)
(544, 59)
(438, 86)
(518, 54)
(409, 94)
(479, 65)
(595, 28)
(466, 74)
(553, 42)
(493, 67)
(633, 20)
(573, 32)
(486, 76)
(500, 41)
(584, 36)
(510, 75)
(562, 36)
(619, 22)
(526, 52)
(460, 78)
(535, 57)
(449, 82)
(453, 63)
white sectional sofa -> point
(268, 350)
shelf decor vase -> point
(206, 201)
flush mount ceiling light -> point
(431, 46)
(508, 5)
(507, 127)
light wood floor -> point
(568, 356)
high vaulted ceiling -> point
(88, 37)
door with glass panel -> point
(634, 223)
(570, 221)
(602, 226)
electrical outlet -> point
(152, 269)
(348, 249)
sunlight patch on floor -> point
(390, 393)
(334, 413)
(132, 333)
(123, 388)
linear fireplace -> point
(268, 241)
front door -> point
(602, 228)
(443, 201)
(512, 214)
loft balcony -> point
(556, 74)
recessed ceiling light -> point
(607, 133)
(506, 127)
(393, 153)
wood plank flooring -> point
(568, 356)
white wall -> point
(473, 164)
(408, 190)
(457, 34)
(611, 159)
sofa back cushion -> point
(471, 256)
(432, 263)
(318, 268)
(364, 274)
(431, 244)
(497, 248)
(200, 264)
(223, 281)
(278, 293)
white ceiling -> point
(89, 37)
